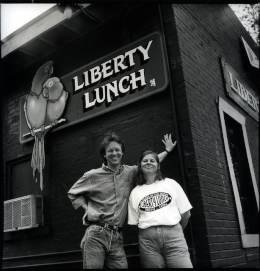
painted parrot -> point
(57, 97)
(44, 105)
(36, 103)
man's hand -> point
(167, 141)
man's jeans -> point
(103, 247)
(164, 246)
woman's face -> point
(149, 164)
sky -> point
(13, 16)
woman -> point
(160, 208)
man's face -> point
(113, 154)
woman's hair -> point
(108, 138)
(140, 179)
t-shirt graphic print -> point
(155, 201)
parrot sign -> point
(43, 107)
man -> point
(104, 193)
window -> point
(241, 172)
(20, 180)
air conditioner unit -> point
(23, 213)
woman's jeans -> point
(103, 247)
(164, 247)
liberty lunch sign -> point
(131, 73)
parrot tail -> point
(38, 157)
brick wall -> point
(204, 33)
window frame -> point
(248, 240)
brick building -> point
(203, 89)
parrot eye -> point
(50, 84)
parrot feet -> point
(54, 123)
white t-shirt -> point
(159, 203)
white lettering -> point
(233, 86)
(110, 90)
(86, 78)
(98, 92)
(111, 87)
(118, 63)
(130, 55)
(95, 74)
(76, 84)
(105, 67)
(114, 66)
(144, 51)
(87, 103)
(244, 93)
(250, 100)
(134, 79)
(120, 84)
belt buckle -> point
(106, 226)
(110, 227)
(114, 228)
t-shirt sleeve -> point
(132, 211)
(182, 200)
(79, 190)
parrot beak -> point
(45, 93)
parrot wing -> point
(55, 109)
(35, 110)
(41, 75)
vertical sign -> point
(239, 91)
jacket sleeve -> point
(79, 190)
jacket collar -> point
(106, 168)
